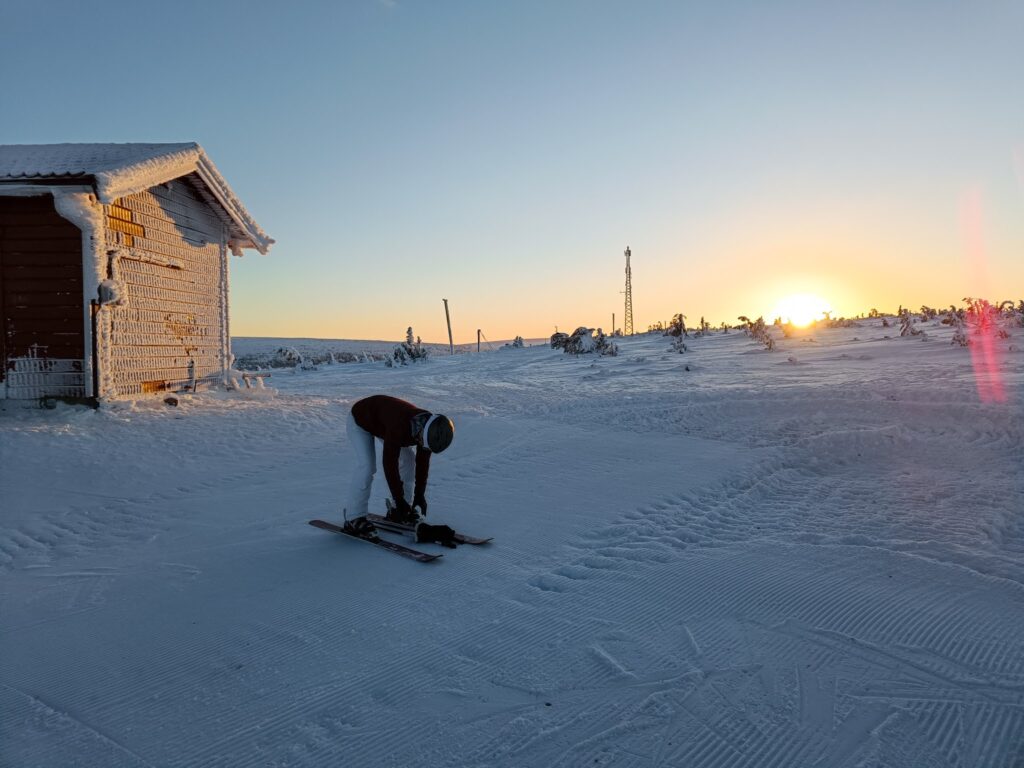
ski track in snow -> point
(752, 562)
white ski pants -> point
(364, 466)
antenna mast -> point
(627, 328)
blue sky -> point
(502, 155)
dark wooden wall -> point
(41, 304)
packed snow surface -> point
(728, 557)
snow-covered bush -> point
(583, 342)
(678, 345)
(677, 326)
(907, 327)
(289, 357)
(409, 351)
(981, 320)
(517, 343)
(1013, 316)
(605, 347)
(580, 342)
(984, 319)
(841, 322)
(959, 331)
(758, 331)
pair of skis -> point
(388, 525)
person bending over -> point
(410, 435)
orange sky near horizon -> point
(853, 269)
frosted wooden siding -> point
(172, 272)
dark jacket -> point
(391, 420)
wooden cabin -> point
(114, 269)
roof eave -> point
(113, 185)
(254, 236)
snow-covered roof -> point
(126, 169)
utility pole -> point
(613, 323)
(627, 326)
(448, 319)
(478, 341)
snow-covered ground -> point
(730, 557)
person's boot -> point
(407, 516)
(360, 526)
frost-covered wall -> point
(162, 325)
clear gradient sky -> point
(502, 155)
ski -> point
(398, 549)
(390, 525)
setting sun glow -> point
(800, 309)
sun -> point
(801, 309)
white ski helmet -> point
(438, 433)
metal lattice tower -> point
(627, 328)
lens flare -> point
(986, 352)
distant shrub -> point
(603, 346)
(959, 331)
(677, 326)
(580, 342)
(757, 330)
(583, 342)
(907, 327)
(409, 351)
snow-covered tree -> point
(677, 326)
(959, 331)
(409, 351)
(907, 323)
(582, 342)
(603, 346)
(758, 331)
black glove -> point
(420, 502)
(438, 534)
(402, 512)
